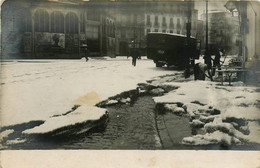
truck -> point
(172, 49)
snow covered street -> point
(43, 96)
(36, 90)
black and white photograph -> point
(142, 75)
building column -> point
(79, 21)
(33, 36)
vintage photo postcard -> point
(130, 83)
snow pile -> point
(254, 132)
(127, 100)
(5, 134)
(111, 102)
(226, 115)
(15, 141)
(174, 109)
(216, 137)
(245, 113)
(197, 123)
(223, 127)
(80, 115)
(157, 91)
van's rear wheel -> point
(192, 62)
(158, 64)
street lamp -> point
(255, 55)
(188, 34)
(207, 59)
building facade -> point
(60, 28)
(253, 33)
(46, 29)
(129, 25)
(136, 19)
(170, 17)
(249, 26)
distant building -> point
(223, 31)
(129, 25)
(201, 33)
(169, 17)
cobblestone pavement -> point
(172, 129)
(130, 127)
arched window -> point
(57, 22)
(110, 28)
(27, 22)
(41, 21)
(71, 23)
(22, 20)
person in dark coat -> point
(86, 52)
(134, 56)
(216, 62)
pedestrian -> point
(216, 62)
(134, 60)
(86, 52)
(134, 56)
(200, 71)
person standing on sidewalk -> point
(86, 53)
(216, 62)
(134, 56)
